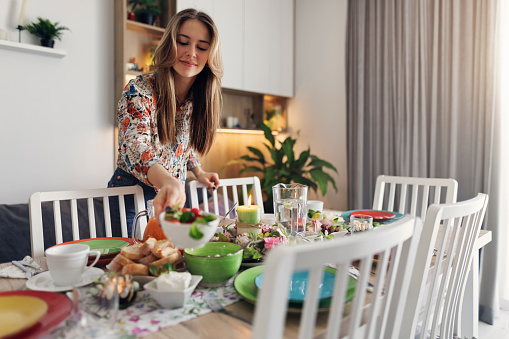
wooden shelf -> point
(139, 27)
(244, 131)
(33, 49)
(135, 73)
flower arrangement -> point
(257, 245)
(325, 223)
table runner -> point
(145, 315)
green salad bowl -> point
(216, 262)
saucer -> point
(43, 281)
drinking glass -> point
(290, 206)
(360, 223)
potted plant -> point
(46, 31)
(146, 11)
(285, 167)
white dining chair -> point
(228, 193)
(412, 195)
(381, 318)
(447, 244)
(75, 198)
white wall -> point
(57, 114)
(319, 106)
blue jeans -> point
(121, 178)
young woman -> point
(166, 118)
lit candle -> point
(250, 214)
(21, 16)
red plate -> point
(377, 215)
(105, 258)
(59, 308)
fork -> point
(216, 306)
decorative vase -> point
(47, 43)
(146, 18)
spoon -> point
(227, 213)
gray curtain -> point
(421, 99)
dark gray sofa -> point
(15, 227)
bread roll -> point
(135, 269)
(163, 248)
(169, 259)
(132, 252)
(147, 246)
(118, 263)
(148, 259)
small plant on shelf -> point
(46, 31)
(146, 11)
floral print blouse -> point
(138, 140)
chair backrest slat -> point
(74, 219)
(91, 217)
(58, 221)
(123, 221)
(107, 216)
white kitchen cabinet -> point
(257, 42)
(228, 17)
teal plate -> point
(245, 286)
(298, 285)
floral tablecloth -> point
(143, 316)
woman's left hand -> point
(210, 179)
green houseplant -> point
(146, 11)
(46, 31)
(285, 167)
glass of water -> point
(290, 206)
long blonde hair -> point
(206, 89)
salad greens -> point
(191, 216)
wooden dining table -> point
(210, 325)
(219, 325)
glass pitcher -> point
(153, 229)
(290, 206)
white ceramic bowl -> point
(172, 299)
(179, 233)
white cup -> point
(66, 263)
(315, 205)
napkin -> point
(12, 271)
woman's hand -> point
(209, 179)
(169, 195)
(171, 190)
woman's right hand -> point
(171, 190)
(170, 195)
